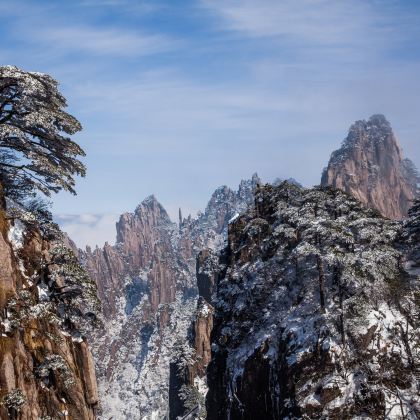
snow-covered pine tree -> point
(413, 223)
(36, 153)
(411, 235)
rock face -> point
(370, 166)
(46, 368)
(206, 272)
(189, 372)
(189, 367)
(147, 284)
(316, 311)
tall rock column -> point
(369, 165)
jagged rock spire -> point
(370, 166)
(147, 283)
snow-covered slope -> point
(316, 311)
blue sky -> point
(179, 97)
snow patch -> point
(235, 217)
(16, 235)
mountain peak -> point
(377, 129)
(379, 119)
(255, 178)
(151, 204)
(149, 201)
(370, 166)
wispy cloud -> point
(124, 6)
(103, 41)
(344, 28)
(60, 35)
(88, 229)
(320, 21)
(178, 100)
(325, 21)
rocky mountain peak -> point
(220, 194)
(250, 184)
(148, 287)
(370, 166)
(149, 212)
(371, 133)
(151, 203)
(247, 188)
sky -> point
(179, 97)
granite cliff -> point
(370, 166)
(46, 303)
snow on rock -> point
(148, 287)
(42, 309)
(315, 315)
(231, 220)
(16, 234)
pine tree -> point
(36, 153)
(412, 234)
(414, 217)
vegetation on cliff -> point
(317, 312)
(47, 299)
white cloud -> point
(103, 41)
(343, 27)
(55, 34)
(303, 19)
(88, 229)
(270, 86)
